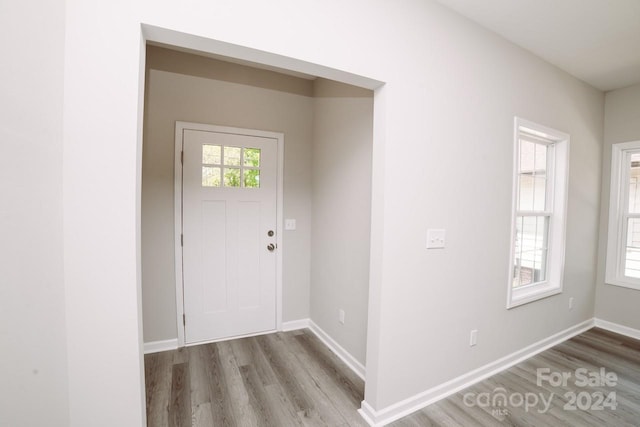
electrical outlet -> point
(435, 238)
(341, 316)
(473, 337)
(571, 303)
(290, 224)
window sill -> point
(623, 283)
(520, 297)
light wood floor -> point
(282, 379)
(292, 379)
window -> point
(238, 167)
(623, 245)
(539, 209)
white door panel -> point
(229, 190)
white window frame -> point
(558, 176)
(618, 215)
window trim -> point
(618, 203)
(559, 178)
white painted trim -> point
(368, 413)
(343, 354)
(158, 346)
(616, 232)
(255, 57)
(618, 329)
(279, 227)
(177, 215)
(279, 137)
(559, 176)
(294, 325)
(420, 400)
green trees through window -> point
(230, 166)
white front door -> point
(229, 190)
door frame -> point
(181, 126)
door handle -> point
(271, 247)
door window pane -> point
(232, 156)
(251, 178)
(232, 177)
(252, 157)
(210, 176)
(211, 154)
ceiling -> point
(597, 41)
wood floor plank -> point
(180, 406)
(200, 387)
(325, 351)
(251, 354)
(265, 416)
(330, 379)
(241, 351)
(180, 355)
(437, 415)
(320, 409)
(277, 359)
(220, 390)
(417, 419)
(352, 386)
(202, 415)
(277, 399)
(158, 377)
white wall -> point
(449, 165)
(621, 124)
(33, 368)
(444, 123)
(102, 134)
(341, 226)
(191, 88)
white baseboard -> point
(369, 414)
(293, 325)
(343, 354)
(618, 329)
(420, 400)
(157, 346)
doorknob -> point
(271, 247)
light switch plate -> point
(473, 337)
(435, 238)
(289, 224)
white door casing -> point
(228, 280)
